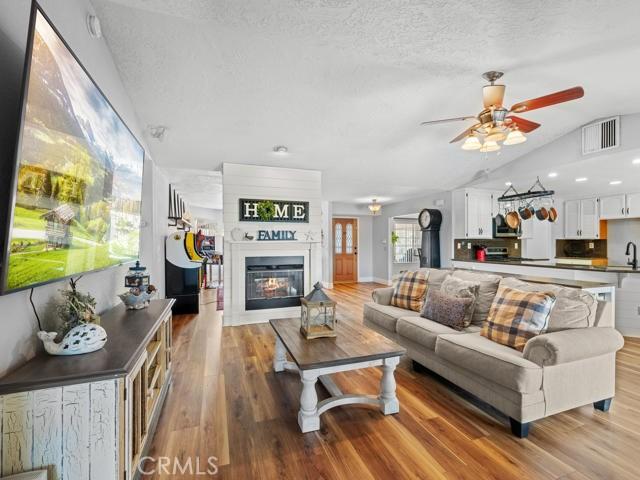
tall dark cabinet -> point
(430, 221)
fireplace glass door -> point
(274, 282)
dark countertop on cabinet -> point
(128, 333)
(553, 264)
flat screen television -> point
(75, 202)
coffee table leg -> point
(388, 401)
(280, 356)
(308, 417)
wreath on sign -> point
(266, 210)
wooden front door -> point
(345, 250)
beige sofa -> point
(571, 365)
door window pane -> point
(338, 240)
(348, 248)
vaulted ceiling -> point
(344, 84)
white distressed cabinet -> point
(90, 417)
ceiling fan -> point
(498, 124)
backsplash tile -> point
(465, 253)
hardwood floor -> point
(227, 402)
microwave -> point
(505, 231)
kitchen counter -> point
(550, 263)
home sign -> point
(276, 235)
(273, 211)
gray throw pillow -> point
(446, 309)
(456, 287)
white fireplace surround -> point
(236, 253)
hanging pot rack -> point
(537, 190)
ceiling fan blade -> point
(466, 133)
(523, 124)
(447, 120)
(551, 99)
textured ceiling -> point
(345, 83)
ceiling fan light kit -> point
(489, 146)
(471, 143)
(498, 124)
(514, 138)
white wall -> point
(17, 341)
(381, 232)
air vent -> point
(601, 135)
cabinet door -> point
(589, 227)
(572, 219)
(473, 215)
(527, 228)
(612, 207)
(485, 212)
(633, 205)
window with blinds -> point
(408, 241)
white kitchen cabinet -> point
(590, 227)
(633, 205)
(473, 214)
(613, 207)
(581, 218)
(572, 219)
(527, 228)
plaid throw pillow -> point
(516, 316)
(409, 291)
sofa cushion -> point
(462, 289)
(487, 290)
(454, 312)
(386, 316)
(516, 316)
(425, 332)
(498, 363)
(574, 308)
(410, 290)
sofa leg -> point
(603, 405)
(520, 430)
(418, 367)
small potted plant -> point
(80, 325)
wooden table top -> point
(354, 343)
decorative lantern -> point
(137, 277)
(140, 290)
(318, 314)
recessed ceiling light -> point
(280, 150)
(636, 161)
(615, 182)
(508, 184)
(553, 174)
(581, 179)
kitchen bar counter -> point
(553, 264)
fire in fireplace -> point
(273, 282)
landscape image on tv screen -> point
(79, 174)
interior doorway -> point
(345, 250)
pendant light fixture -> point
(375, 207)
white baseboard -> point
(365, 279)
(383, 281)
(628, 331)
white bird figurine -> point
(84, 338)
